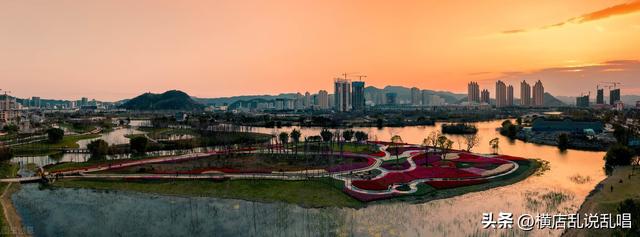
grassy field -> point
(605, 200)
(347, 147)
(45, 148)
(7, 170)
(314, 193)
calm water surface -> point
(78, 212)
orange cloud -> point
(620, 9)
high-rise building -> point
(391, 98)
(614, 96)
(600, 96)
(298, 102)
(342, 95)
(358, 99)
(424, 97)
(501, 94)
(473, 92)
(307, 100)
(84, 101)
(538, 94)
(416, 96)
(510, 95)
(525, 94)
(323, 99)
(582, 101)
(36, 101)
(485, 96)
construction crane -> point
(614, 83)
(353, 74)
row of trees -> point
(326, 137)
(99, 149)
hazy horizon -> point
(113, 50)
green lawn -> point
(7, 170)
(347, 147)
(46, 148)
(313, 193)
(78, 128)
(604, 200)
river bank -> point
(606, 197)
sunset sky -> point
(111, 50)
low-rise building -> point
(566, 125)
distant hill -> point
(170, 100)
(233, 99)
(551, 101)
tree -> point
(471, 140)
(55, 135)
(5, 153)
(495, 145)
(295, 137)
(563, 141)
(284, 139)
(139, 144)
(444, 144)
(519, 121)
(327, 136)
(361, 136)
(98, 148)
(618, 155)
(347, 135)
(395, 142)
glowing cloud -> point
(620, 9)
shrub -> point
(5, 153)
(55, 135)
(139, 144)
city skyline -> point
(220, 49)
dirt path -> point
(11, 215)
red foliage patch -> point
(440, 172)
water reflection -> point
(86, 212)
(115, 137)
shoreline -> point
(13, 219)
(601, 200)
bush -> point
(55, 135)
(98, 148)
(5, 153)
(10, 128)
(139, 144)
